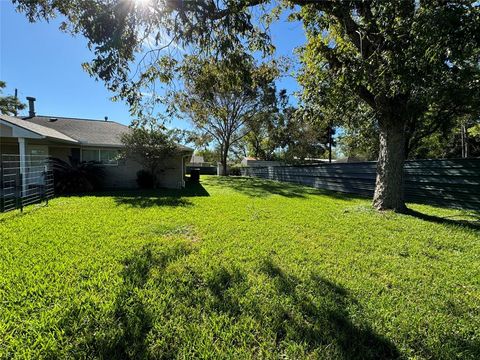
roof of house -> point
(44, 131)
(196, 159)
(86, 132)
(82, 131)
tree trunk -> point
(464, 141)
(224, 167)
(389, 187)
(223, 161)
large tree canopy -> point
(407, 61)
(221, 99)
(133, 40)
(410, 66)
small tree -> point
(9, 105)
(150, 146)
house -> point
(253, 162)
(197, 163)
(82, 140)
(196, 160)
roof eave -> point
(101, 145)
(72, 141)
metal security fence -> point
(24, 181)
(450, 183)
(204, 170)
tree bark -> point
(223, 160)
(389, 186)
(224, 167)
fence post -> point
(22, 153)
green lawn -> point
(237, 268)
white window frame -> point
(99, 149)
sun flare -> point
(142, 2)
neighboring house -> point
(251, 161)
(83, 140)
(196, 160)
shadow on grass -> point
(309, 314)
(319, 317)
(159, 197)
(126, 335)
(29, 210)
(473, 224)
(160, 310)
(143, 201)
(470, 348)
(256, 187)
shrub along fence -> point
(451, 183)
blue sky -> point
(41, 61)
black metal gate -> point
(24, 181)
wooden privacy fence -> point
(451, 183)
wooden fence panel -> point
(450, 183)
